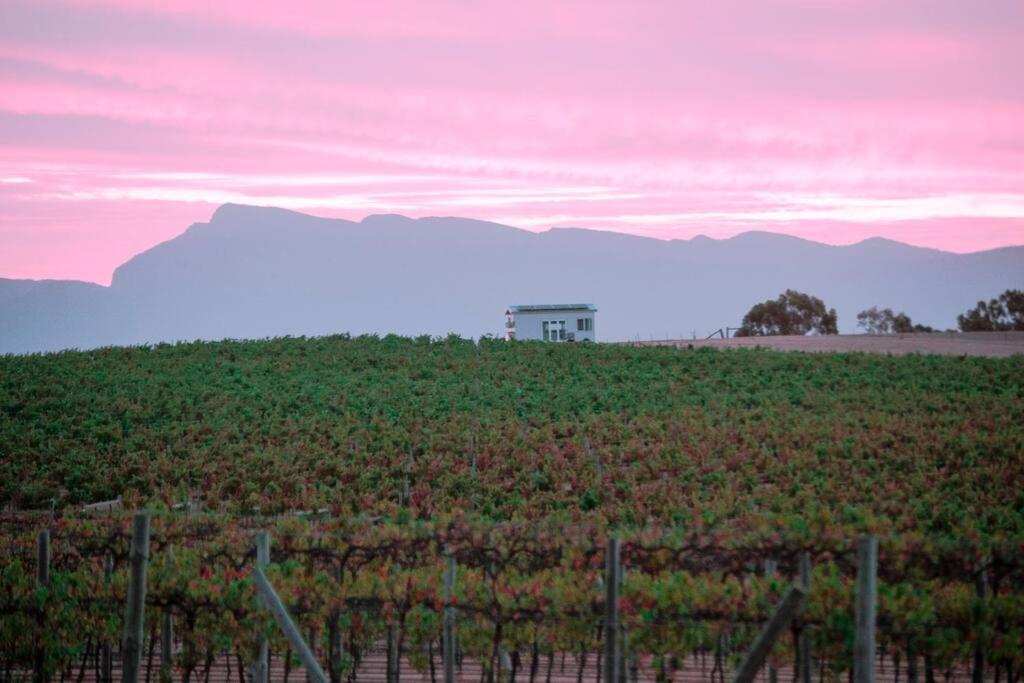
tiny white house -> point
(551, 322)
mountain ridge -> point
(264, 271)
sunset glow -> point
(123, 122)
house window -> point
(553, 330)
(584, 324)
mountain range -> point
(254, 272)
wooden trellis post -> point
(42, 580)
(612, 581)
(980, 589)
(769, 573)
(867, 588)
(628, 661)
(43, 555)
(106, 656)
(788, 607)
(448, 632)
(312, 638)
(804, 642)
(334, 635)
(134, 635)
(291, 632)
(393, 666)
(393, 654)
(260, 668)
(167, 638)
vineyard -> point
(372, 461)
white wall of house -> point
(530, 324)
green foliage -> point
(875, 321)
(521, 585)
(997, 315)
(792, 312)
(520, 431)
(520, 458)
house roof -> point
(551, 307)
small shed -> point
(551, 322)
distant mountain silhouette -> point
(256, 272)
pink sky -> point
(122, 122)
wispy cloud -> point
(120, 122)
(850, 209)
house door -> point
(554, 328)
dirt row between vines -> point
(995, 344)
(563, 669)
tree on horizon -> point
(1002, 314)
(884, 321)
(792, 312)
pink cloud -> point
(833, 120)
